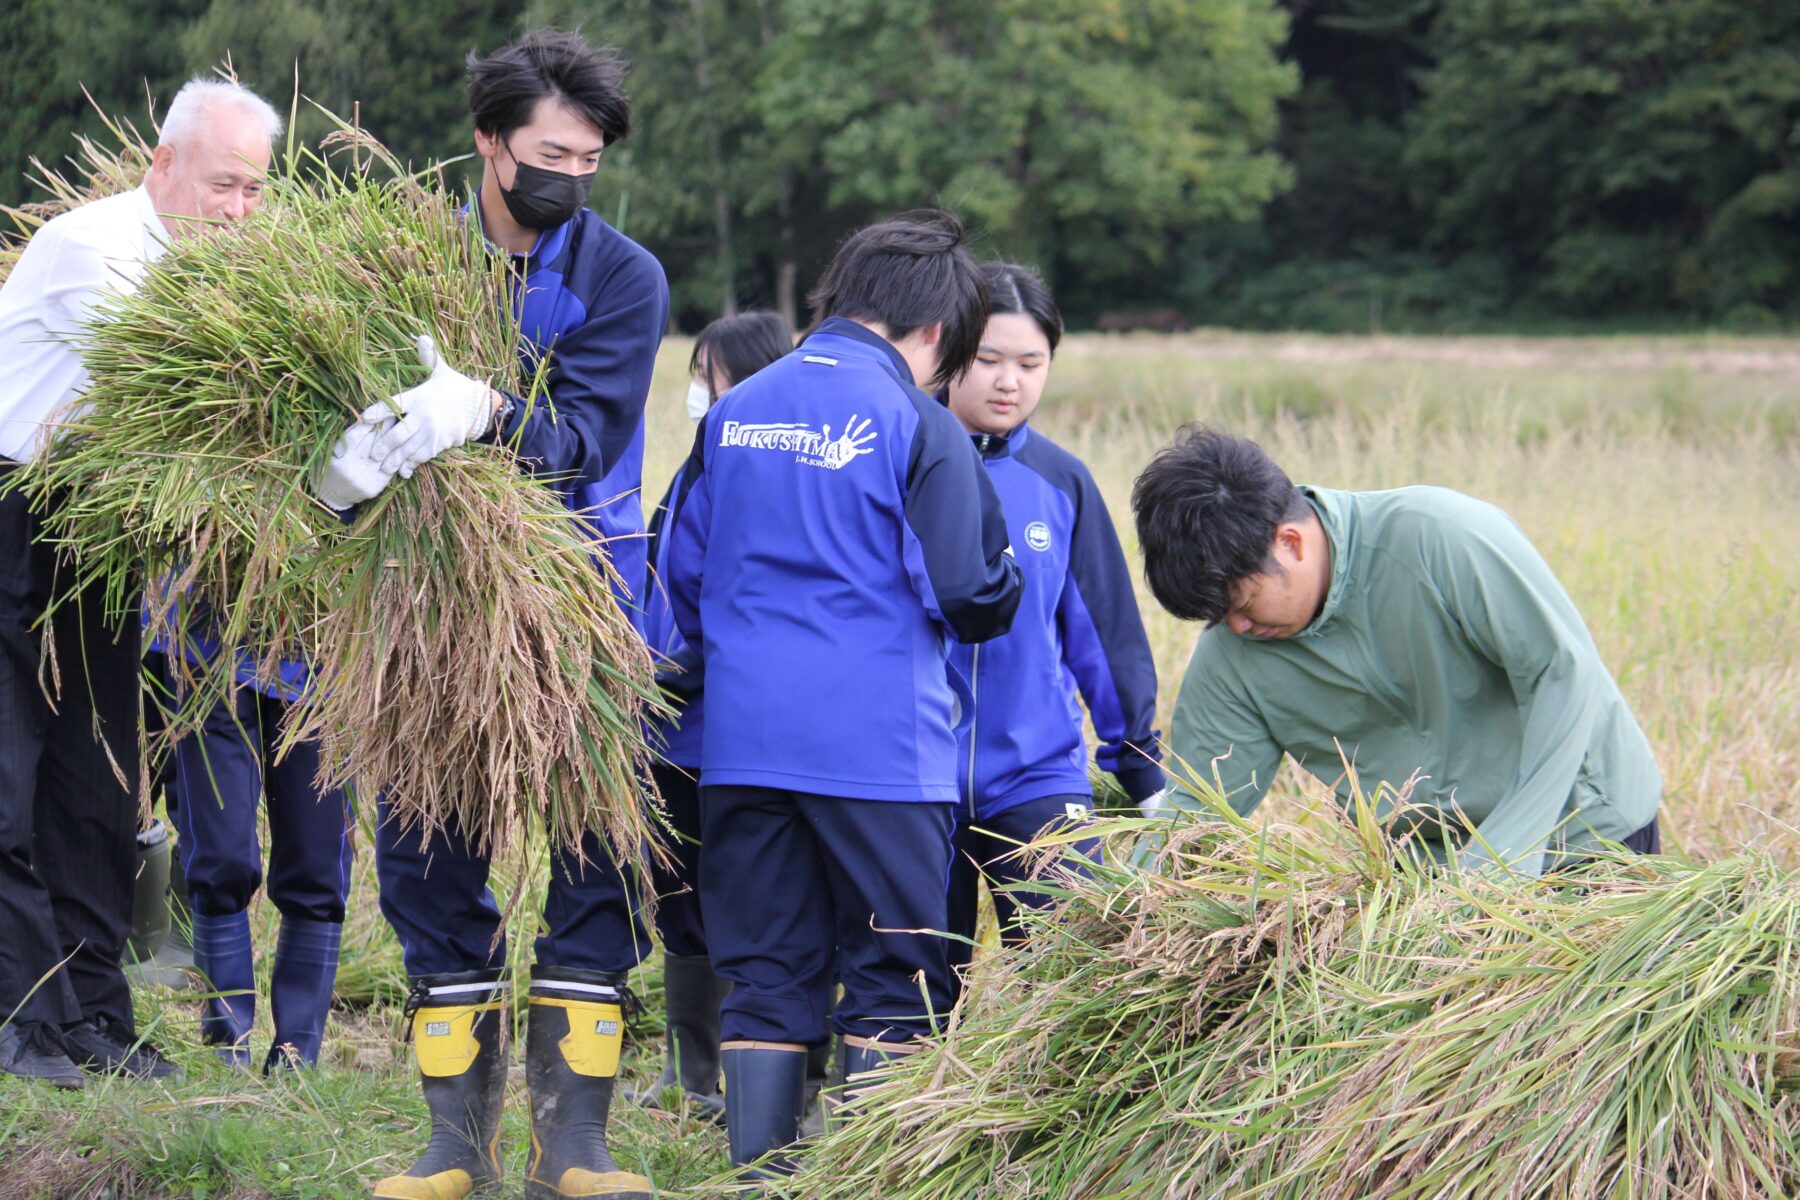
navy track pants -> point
(988, 847)
(218, 776)
(791, 881)
(435, 894)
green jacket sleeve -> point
(1508, 602)
(1218, 737)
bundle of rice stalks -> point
(1301, 1012)
(466, 654)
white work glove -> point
(445, 411)
(1156, 807)
(352, 474)
(1163, 805)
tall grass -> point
(1662, 484)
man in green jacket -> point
(1414, 634)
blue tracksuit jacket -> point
(679, 667)
(835, 531)
(598, 302)
(1077, 631)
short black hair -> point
(907, 273)
(1207, 508)
(742, 345)
(505, 87)
(1013, 288)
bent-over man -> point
(1416, 634)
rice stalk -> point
(99, 169)
(1308, 1012)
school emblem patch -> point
(1037, 536)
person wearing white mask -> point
(726, 353)
(68, 800)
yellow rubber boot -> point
(573, 1034)
(456, 1030)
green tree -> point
(1621, 156)
(697, 181)
(396, 65)
(122, 51)
(1080, 134)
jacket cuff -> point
(1142, 781)
(501, 432)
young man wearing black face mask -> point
(545, 108)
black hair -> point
(505, 87)
(742, 345)
(907, 273)
(1018, 289)
(1207, 508)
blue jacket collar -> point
(549, 244)
(1001, 445)
(845, 328)
(992, 445)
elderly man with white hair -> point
(68, 762)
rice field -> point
(1660, 477)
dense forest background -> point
(1430, 165)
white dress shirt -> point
(67, 267)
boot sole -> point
(483, 1189)
(543, 1191)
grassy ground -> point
(1661, 477)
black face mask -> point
(540, 199)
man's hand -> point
(445, 411)
(1156, 808)
(352, 474)
(1169, 803)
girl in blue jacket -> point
(727, 352)
(1077, 635)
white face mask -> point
(699, 399)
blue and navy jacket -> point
(834, 532)
(1077, 634)
(676, 739)
(597, 302)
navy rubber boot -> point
(765, 1091)
(306, 963)
(223, 954)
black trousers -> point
(1647, 840)
(68, 825)
(678, 920)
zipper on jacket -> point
(974, 712)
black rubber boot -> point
(457, 1023)
(691, 998)
(573, 1034)
(819, 1076)
(765, 1090)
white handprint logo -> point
(848, 445)
(808, 445)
